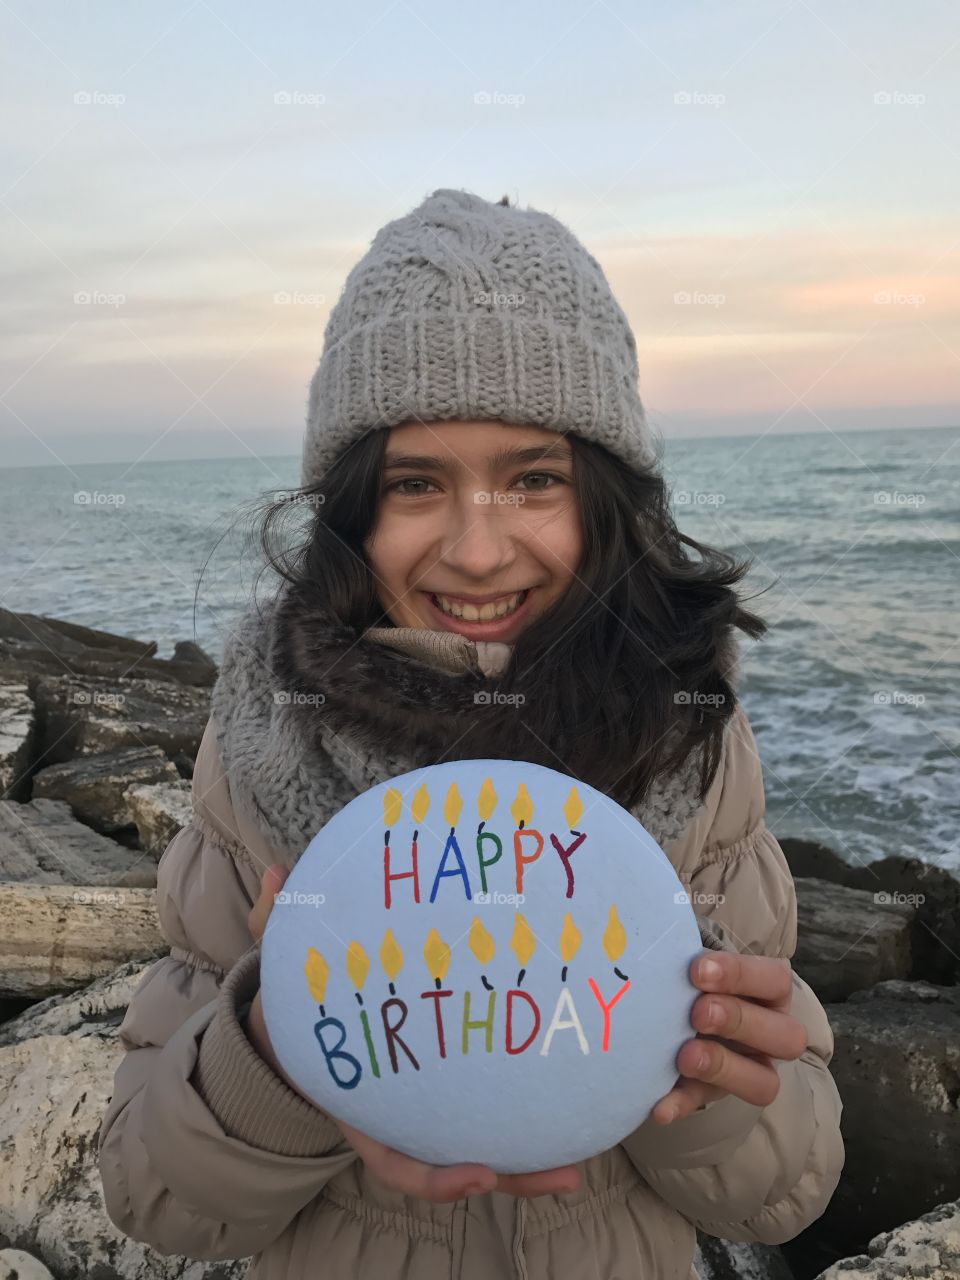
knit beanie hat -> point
(464, 309)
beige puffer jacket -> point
(205, 1152)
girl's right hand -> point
(399, 1172)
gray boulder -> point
(95, 786)
(42, 843)
(847, 939)
(926, 1249)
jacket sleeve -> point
(738, 1171)
(204, 1151)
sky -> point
(771, 188)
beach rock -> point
(717, 1259)
(56, 1089)
(17, 1265)
(84, 716)
(896, 1063)
(86, 1011)
(94, 786)
(17, 736)
(160, 812)
(55, 938)
(927, 1248)
(42, 843)
(933, 891)
(30, 645)
(847, 940)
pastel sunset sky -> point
(771, 188)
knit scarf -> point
(309, 713)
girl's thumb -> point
(270, 885)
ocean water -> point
(855, 544)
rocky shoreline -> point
(97, 742)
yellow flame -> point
(523, 941)
(420, 803)
(391, 957)
(614, 936)
(358, 966)
(316, 972)
(522, 807)
(392, 807)
(437, 955)
(486, 800)
(573, 808)
(452, 805)
(480, 942)
(569, 939)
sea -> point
(854, 545)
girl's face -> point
(477, 527)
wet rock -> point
(17, 737)
(847, 939)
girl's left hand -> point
(738, 1038)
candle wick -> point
(483, 979)
(563, 975)
(623, 977)
(480, 828)
(393, 990)
(520, 827)
(322, 1013)
(359, 997)
(386, 837)
(520, 976)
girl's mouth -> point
(491, 620)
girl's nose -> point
(480, 541)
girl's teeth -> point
(482, 613)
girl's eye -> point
(542, 475)
(396, 487)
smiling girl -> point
(491, 570)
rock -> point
(84, 716)
(17, 1265)
(55, 938)
(160, 812)
(935, 892)
(717, 1259)
(95, 786)
(83, 1012)
(42, 843)
(17, 737)
(846, 940)
(30, 645)
(56, 1089)
(927, 1248)
(896, 1063)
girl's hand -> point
(399, 1172)
(740, 1038)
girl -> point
(486, 515)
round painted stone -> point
(482, 960)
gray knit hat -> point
(465, 309)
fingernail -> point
(477, 1189)
(703, 1060)
(709, 970)
(714, 1013)
(671, 1113)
